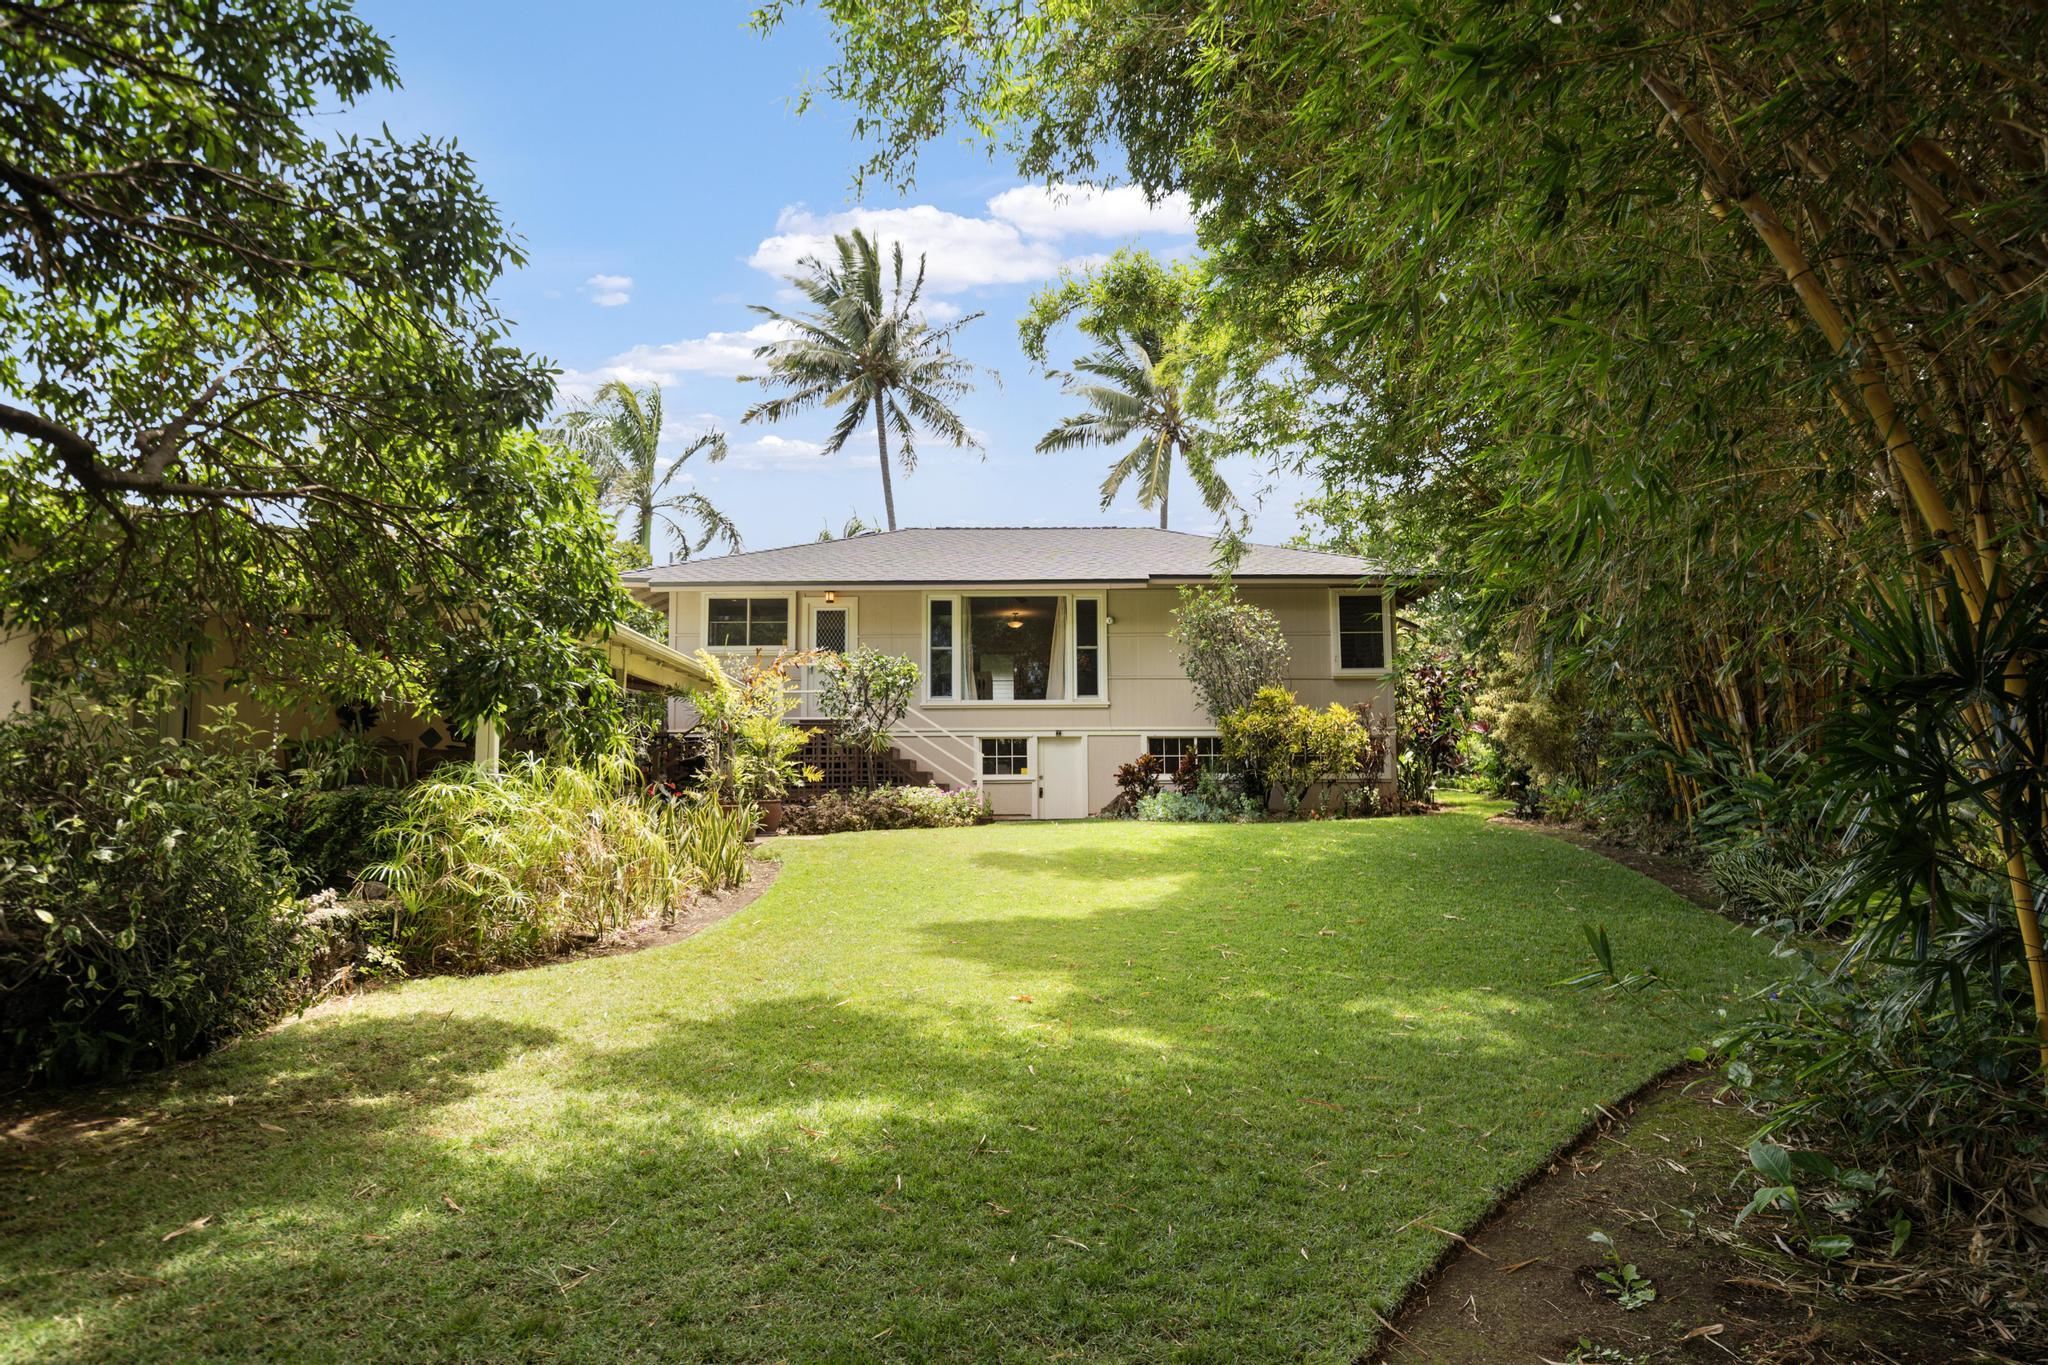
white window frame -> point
(1337, 669)
(740, 651)
(1150, 736)
(815, 602)
(1030, 773)
(959, 601)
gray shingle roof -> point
(1002, 554)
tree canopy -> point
(1686, 332)
(258, 408)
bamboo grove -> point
(1694, 338)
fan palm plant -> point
(1128, 395)
(865, 347)
(619, 436)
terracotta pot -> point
(771, 816)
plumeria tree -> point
(865, 694)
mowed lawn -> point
(1099, 1091)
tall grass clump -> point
(495, 870)
(714, 839)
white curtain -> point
(1056, 670)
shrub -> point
(1756, 881)
(144, 915)
(713, 840)
(1295, 747)
(1138, 779)
(750, 748)
(1434, 695)
(1229, 649)
(888, 808)
(1215, 800)
(330, 835)
(498, 869)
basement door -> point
(1062, 777)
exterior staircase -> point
(846, 769)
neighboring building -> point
(1043, 653)
(420, 740)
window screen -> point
(939, 661)
(1169, 749)
(1087, 647)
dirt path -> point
(1664, 1183)
(1664, 1179)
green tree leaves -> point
(260, 411)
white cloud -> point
(609, 291)
(772, 451)
(960, 252)
(1018, 241)
(1086, 211)
(776, 447)
(722, 354)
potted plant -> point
(765, 765)
(751, 750)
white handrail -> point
(963, 768)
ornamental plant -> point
(146, 915)
(1229, 648)
(865, 693)
(750, 748)
(1295, 747)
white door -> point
(1063, 778)
(827, 625)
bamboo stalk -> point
(1870, 385)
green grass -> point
(1102, 1091)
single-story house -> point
(1043, 654)
(420, 740)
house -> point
(1043, 652)
(420, 740)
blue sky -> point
(651, 158)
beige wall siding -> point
(1148, 692)
(14, 662)
(1009, 800)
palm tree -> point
(1131, 398)
(856, 525)
(619, 436)
(866, 347)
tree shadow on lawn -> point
(322, 1124)
(1189, 1122)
